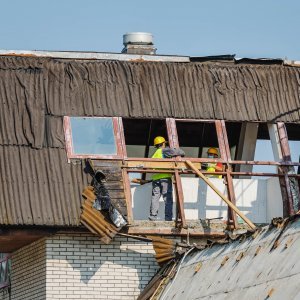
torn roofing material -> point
(250, 268)
(36, 92)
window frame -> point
(118, 136)
(220, 132)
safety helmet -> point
(213, 151)
(159, 140)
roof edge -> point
(94, 55)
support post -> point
(179, 198)
(281, 151)
(225, 155)
(127, 191)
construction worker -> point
(213, 167)
(161, 185)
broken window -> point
(196, 137)
(92, 137)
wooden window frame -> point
(118, 136)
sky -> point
(256, 29)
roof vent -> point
(138, 43)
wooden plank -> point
(207, 233)
(219, 129)
(128, 198)
(172, 132)
(190, 164)
(291, 184)
(232, 220)
(159, 164)
(180, 199)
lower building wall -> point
(79, 266)
(4, 294)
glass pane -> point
(93, 136)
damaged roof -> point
(261, 266)
(39, 186)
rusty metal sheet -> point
(95, 220)
(164, 249)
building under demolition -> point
(77, 128)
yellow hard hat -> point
(159, 140)
(213, 151)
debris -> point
(198, 267)
(224, 261)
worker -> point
(213, 167)
(162, 183)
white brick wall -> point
(28, 272)
(4, 294)
(80, 267)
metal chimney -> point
(138, 43)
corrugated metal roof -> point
(261, 267)
(34, 92)
(39, 186)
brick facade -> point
(79, 266)
(28, 272)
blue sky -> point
(257, 28)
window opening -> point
(195, 138)
(263, 150)
(233, 133)
(139, 136)
(293, 132)
(93, 137)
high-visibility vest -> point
(158, 154)
(212, 168)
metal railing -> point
(178, 167)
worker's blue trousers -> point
(162, 187)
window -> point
(92, 137)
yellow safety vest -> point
(158, 154)
(212, 168)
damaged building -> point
(76, 142)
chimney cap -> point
(138, 38)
